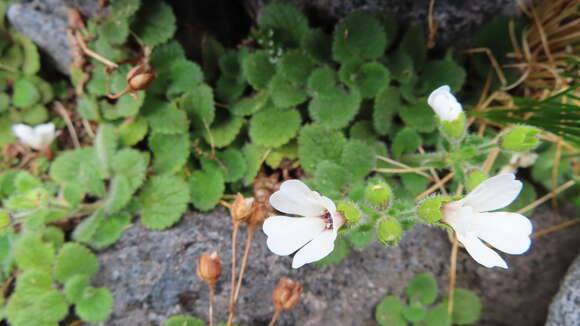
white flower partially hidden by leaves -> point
(39, 137)
(445, 104)
(472, 221)
(313, 229)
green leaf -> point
(295, 66)
(88, 107)
(317, 45)
(95, 306)
(274, 127)
(124, 8)
(363, 130)
(441, 72)
(224, 132)
(341, 250)
(30, 252)
(288, 151)
(406, 141)
(184, 76)
(385, 107)
(75, 287)
(133, 165)
(183, 320)
(47, 309)
(361, 236)
(110, 230)
(74, 259)
(317, 143)
(126, 106)
(35, 115)
(156, 23)
(170, 152)
(79, 166)
(358, 37)
(258, 69)
(466, 307)
(389, 312)
(422, 287)
(34, 283)
(163, 200)
(162, 58)
(332, 176)
(133, 131)
(105, 146)
(419, 116)
(438, 316)
(337, 110)
(165, 117)
(87, 228)
(254, 155)
(25, 94)
(322, 82)
(369, 78)
(31, 63)
(527, 195)
(233, 164)
(414, 183)
(358, 158)
(114, 31)
(414, 312)
(45, 89)
(401, 66)
(413, 44)
(206, 188)
(250, 105)
(119, 194)
(287, 22)
(199, 105)
(285, 94)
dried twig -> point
(69, 125)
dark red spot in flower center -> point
(327, 218)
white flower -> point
(519, 160)
(38, 137)
(472, 221)
(445, 104)
(312, 234)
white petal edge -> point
(494, 193)
(288, 234)
(45, 133)
(26, 135)
(294, 197)
(316, 249)
(444, 103)
(508, 232)
(480, 252)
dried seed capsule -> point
(286, 294)
(209, 267)
(140, 77)
(242, 208)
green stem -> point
(423, 160)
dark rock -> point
(152, 275)
(565, 307)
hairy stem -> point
(233, 273)
(247, 246)
(211, 295)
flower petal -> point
(444, 103)
(508, 232)
(316, 249)
(480, 252)
(26, 135)
(288, 234)
(294, 197)
(494, 193)
(45, 133)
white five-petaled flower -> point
(445, 104)
(472, 221)
(39, 137)
(312, 232)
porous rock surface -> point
(565, 308)
(152, 275)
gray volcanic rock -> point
(565, 308)
(152, 275)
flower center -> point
(327, 218)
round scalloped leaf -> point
(274, 127)
(126, 106)
(358, 37)
(258, 69)
(385, 107)
(358, 158)
(422, 287)
(133, 131)
(332, 176)
(466, 307)
(165, 117)
(199, 105)
(337, 110)
(206, 188)
(438, 316)
(110, 230)
(254, 156)
(295, 66)
(119, 194)
(163, 200)
(75, 287)
(87, 228)
(156, 23)
(419, 116)
(161, 59)
(54, 236)
(284, 93)
(322, 82)
(317, 143)
(95, 306)
(229, 89)
(114, 31)
(106, 143)
(185, 75)
(233, 164)
(25, 93)
(250, 105)
(441, 72)
(31, 63)
(407, 140)
(44, 87)
(388, 312)
(132, 164)
(35, 115)
(74, 259)
(318, 45)
(363, 130)
(183, 320)
(413, 44)
(170, 152)
(287, 22)
(34, 283)
(47, 309)
(88, 107)
(224, 132)
(414, 313)
(370, 79)
(30, 252)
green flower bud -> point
(454, 129)
(379, 194)
(389, 231)
(520, 139)
(350, 212)
(474, 178)
(430, 209)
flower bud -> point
(286, 294)
(209, 267)
(474, 178)
(389, 231)
(520, 139)
(454, 129)
(379, 194)
(140, 77)
(350, 213)
(430, 209)
(242, 208)
(445, 104)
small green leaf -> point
(206, 188)
(413, 44)
(322, 82)
(183, 320)
(31, 64)
(317, 143)
(163, 200)
(88, 107)
(74, 259)
(441, 72)
(388, 312)
(165, 117)
(132, 164)
(258, 69)
(110, 230)
(284, 93)
(250, 105)
(362, 236)
(358, 37)
(274, 127)
(466, 307)
(224, 132)
(438, 316)
(335, 111)
(95, 306)
(369, 78)
(184, 76)
(317, 45)
(87, 228)
(119, 194)
(254, 155)
(114, 31)
(358, 158)
(170, 152)
(288, 23)
(414, 313)
(295, 66)
(133, 131)
(105, 146)
(414, 183)
(422, 287)
(75, 287)
(288, 151)
(30, 252)
(156, 23)
(79, 166)
(419, 116)
(25, 93)
(385, 107)
(34, 283)
(126, 106)
(406, 141)
(199, 105)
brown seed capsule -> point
(259, 214)
(140, 77)
(242, 208)
(75, 18)
(209, 267)
(286, 294)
